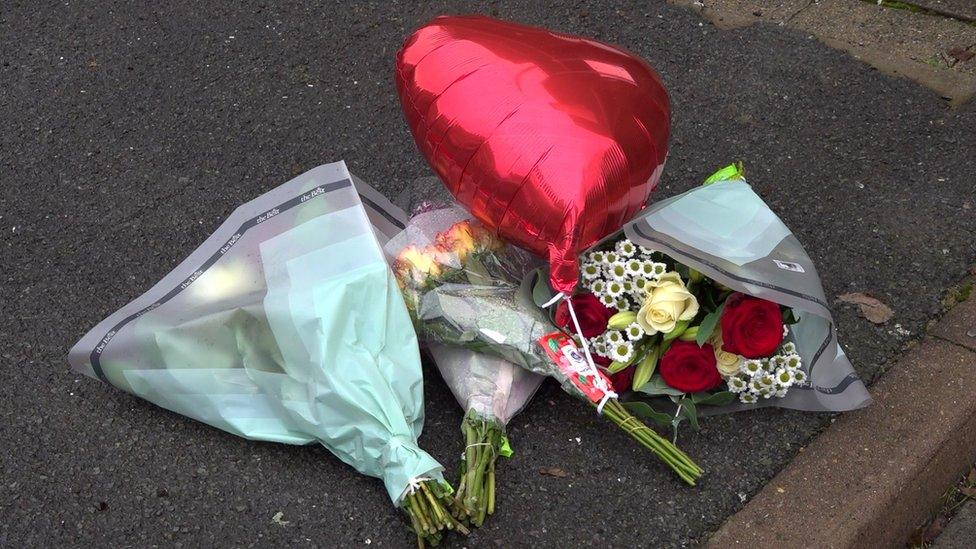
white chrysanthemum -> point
(737, 384)
(615, 289)
(789, 348)
(660, 269)
(766, 381)
(626, 248)
(644, 251)
(628, 286)
(622, 352)
(634, 332)
(601, 349)
(607, 299)
(612, 337)
(780, 393)
(767, 392)
(784, 377)
(634, 267)
(617, 270)
(598, 287)
(598, 257)
(793, 362)
(751, 367)
(647, 268)
(591, 271)
(777, 362)
(799, 377)
(622, 304)
(748, 398)
(610, 257)
(640, 284)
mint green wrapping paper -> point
(286, 325)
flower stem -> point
(427, 511)
(679, 462)
(476, 491)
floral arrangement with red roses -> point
(660, 328)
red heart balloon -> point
(552, 140)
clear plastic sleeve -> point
(285, 325)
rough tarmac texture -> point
(130, 132)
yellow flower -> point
(667, 302)
(457, 239)
(726, 362)
(416, 263)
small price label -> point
(564, 353)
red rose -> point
(689, 368)
(751, 327)
(622, 380)
(592, 315)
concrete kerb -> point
(877, 473)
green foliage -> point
(645, 411)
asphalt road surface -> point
(129, 132)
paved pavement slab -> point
(961, 532)
(131, 130)
(959, 9)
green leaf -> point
(707, 299)
(645, 369)
(707, 327)
(732, 172)
(506, 449)
(656, 386)
(643, 410)
(788, 316)
(720, 398)
(690, 412)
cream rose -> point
(726, 362)
(667, 302)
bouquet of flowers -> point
(683, 334)
(707, 299)
(286, 325)
(465, 287)
(491, 391)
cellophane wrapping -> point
(285, 325)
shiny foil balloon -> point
(552, 140)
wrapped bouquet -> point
(489, 389)
(708, 299)
(286, 325)
(465, 287)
